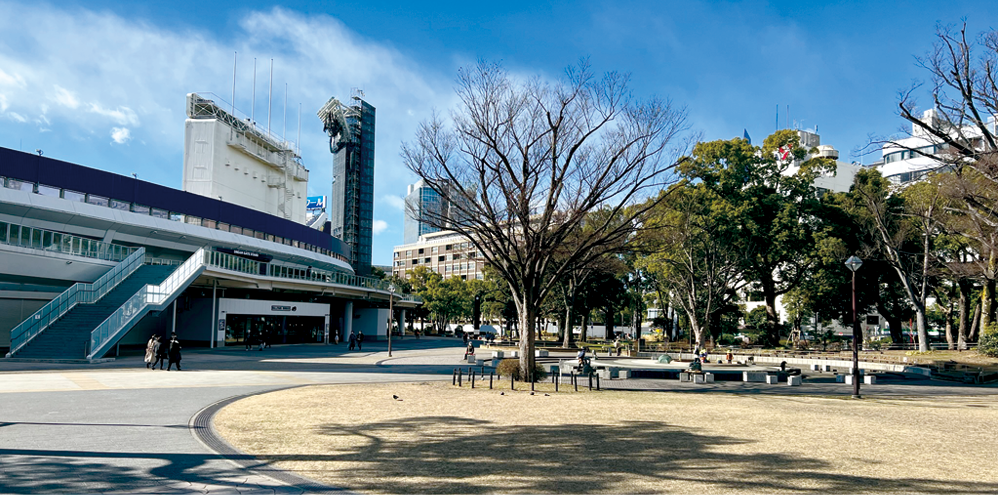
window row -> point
(44, 190)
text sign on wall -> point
(276, 307)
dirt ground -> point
(441, 439)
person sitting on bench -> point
(695, 366)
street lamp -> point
(391, 316)
(853, 264)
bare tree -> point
(521, 164)
(964, 128)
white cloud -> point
(16, 117)
(394, 201)
(66, 97)
(120, 135)
(379, 226)
(3, 103)
(11, 80)
(120, 115)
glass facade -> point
(427, 202)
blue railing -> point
(143, 300)
(78, 293)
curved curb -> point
(202, 428)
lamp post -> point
(853, 263)
(391, 316)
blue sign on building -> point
(315, 203)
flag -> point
(747, 137)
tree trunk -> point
(987, 305)
(608, 324)
(568, 320)
(772, 335)
(964, 315)
(585, 325)
(896, 327)
(923, 332)
(975, 324)
(950, 341)
(528, 327)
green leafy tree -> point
(771, 203)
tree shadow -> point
(468, 456)
(72, 471)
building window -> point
(158, 213)
(74, 196)
(98, 200)
(434, 249)
(440, 258)
(142, 210)
(120, 205)
(447, 247)
(420, 250)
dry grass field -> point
(442, 439)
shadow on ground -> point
(482, 457)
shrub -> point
(511, 367)
(988, 345)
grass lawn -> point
(442, 439)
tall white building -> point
(230, 159)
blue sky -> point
(103, 83)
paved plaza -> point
(119, 428)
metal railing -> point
(78, 293)
(137, 305)
(235, 263)
(14, 234)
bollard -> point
(490, 381)
(575, 382)
(597, 382)
(590, 382)
(453, 377)
(531, 385)
(556, 384)
(512, 383)
(459, 377)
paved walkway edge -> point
(202, 428)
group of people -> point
(159, 353)
(355, 340)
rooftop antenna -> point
(253, 106)
(270, 94)
(298, 141)
(234, 55)
(777, 116)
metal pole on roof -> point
(284, 133)
(253, 105)
(270, 95)
(234, 56)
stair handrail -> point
(148, 295)
(76, 294)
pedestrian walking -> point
(360, 340)
(173, 353)
(161, 353)
(151, 350)
(353, 340)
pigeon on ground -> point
(502, 393)
(531, 393)
(547, 395)
(396, 397)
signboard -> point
(263, 258)
(277, 307)
(315, 203)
